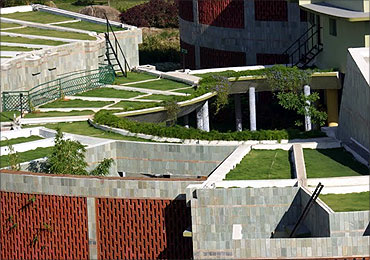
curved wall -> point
(228, 33)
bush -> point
(83, 2)
(8, 3)
(107, 118)
(155, 13)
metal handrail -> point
(286, 51)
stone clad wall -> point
(350, 224)
(16, 74)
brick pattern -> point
(222, 13)
(43, 227)
(271, 10)
(142, 229)
(190, 56)
(186, 10)
(212, 58)
(270, 59)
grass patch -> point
(6, 57)
(162, 84)
(132, 77)
(8, 25)
(8, 116)
(261, 165)
(15, 48)
(20, 140)
(336, 162)
(30, 41)
(135, 105)
(58, 114)
(186, 91)
(27, 156)
(109, 93)
(52, 33)
(347, 202)
(83, 25)
(118, 4)
(37, 17)
(160, 97)
(76, 103)
(84, 128)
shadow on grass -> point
(340, 155)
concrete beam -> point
(206, 117)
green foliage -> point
(107, 118)
(103, 167)
(13, 158)
(83, 2)
(67, 157)
(222, 88)
(172, 109)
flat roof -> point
(338, 12)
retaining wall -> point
(92, 218)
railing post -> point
(60, 88)
(21, 103)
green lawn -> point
(336, 162)
(58, 114)
(27, 156)
(52, 33)
(8, 116)
(133, 77)
(162, 84)
(8, 25)
(109, 93)
(76, 103)
(347, 202)
(118, 4)
(6, 57)
(15, 48)
(37, 17)
(186, 91)
(83, 128)
(262, 164)
(83, 25)
(20, 140)
(161, 97)
(30, 41)
(135, 105)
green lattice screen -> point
(52, 90)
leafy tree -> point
(289, 82)
(103, 167)
(172, 109)
(13, 158)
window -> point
(332, 27)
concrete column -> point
(91, 220)
(307, 118)
(238, 113)
(186, 121)
(205, 117)
(252, 108)
(332, 105)
(199, 112)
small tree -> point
(13, 158)
(222, 88)
(172, 109)
(288, 83)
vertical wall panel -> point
(222, 13)
(270, 59)
(189, 56)
(37, 226)
(186, 10)
(211, 58)
(271, 10)
(143, 229)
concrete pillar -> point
(91, 220)
(238, 113)
(186, 121)
(252, 108)
(205, 117)
(332, 105)
(199, 112)
(307, 118)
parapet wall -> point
(30, 69)
(78, 217)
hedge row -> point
(108, 119)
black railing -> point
(116, 49)
(302, 51)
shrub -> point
(155, 13)
(8, 3)
(107, 118)
(83, 2)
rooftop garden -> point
(26, 156)
(161, 84)
(347, 202)
(37, 17)
(109, 93)
(52, 33)
(133, 77)
(321, 163)
(20, 140)
(261, 165)
(74, 103)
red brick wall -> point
(270, 59)
(271, 10)
(190, 56)
(211, 58)
(142, 229)
(186, 10)
(43, 227)
(222, 13)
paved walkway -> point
(26, 45)
(39, 37)
(10, 53)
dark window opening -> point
(332, 27)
